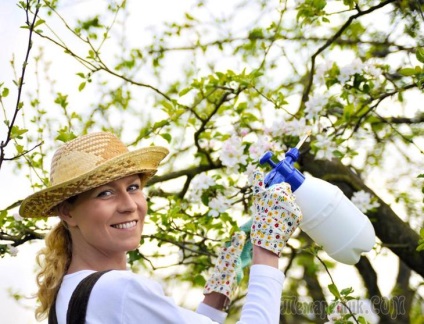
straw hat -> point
(87, 162)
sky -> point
(17, 273)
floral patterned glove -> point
(223, 278)
(275, 214)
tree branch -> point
(332, 39)
(187, 172)
(20, 82)
(369, 277)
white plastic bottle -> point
(329, 217)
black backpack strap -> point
(52, 311)
(77, 307)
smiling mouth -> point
(125, 225)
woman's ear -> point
(64, 211)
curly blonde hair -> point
(54, 260)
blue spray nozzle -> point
(266, 158)
(284, 171)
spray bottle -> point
(329, 217)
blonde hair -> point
(54, 260)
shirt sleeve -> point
(263, 296)
(262, 301)
(213, 313)
(146, 303)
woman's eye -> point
(105, 193)
(134, 187)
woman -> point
(96, 190)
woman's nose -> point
(127, 202)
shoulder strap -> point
(52, 311)
(77, 307)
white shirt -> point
(123, 297)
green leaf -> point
(134, 256)
(3, 213)
(90, 23)
(61, 100)
(420, 247)
(160, 124)
(17, 132)
(348, 110)
(39, 22)
(199, 280)
(407, 71)
(333, 289)
(420, 54)
(350, 3)
(81, 86)
(5, 92)
(19, 148)
(65, 135)
(184, 91)
(167, 137)
(346, 291)
(169, 107)
(91, 54)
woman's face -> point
(108, 219)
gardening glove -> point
(224, 277)
(275, 214)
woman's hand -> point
(275, 214)
(223, 279)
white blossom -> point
(326, 147)
(218, 204)
(244, 131)
(257, 149)
(250, 169)
(314, 106)
(337, 314)
(347, 71)
(13, 250)
(373, 71)
(295, 127)
(322, 69)
(202, 181)
(232, 154)
(333, 317)
(364, 201)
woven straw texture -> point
(86, 163)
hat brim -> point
(143, 161)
